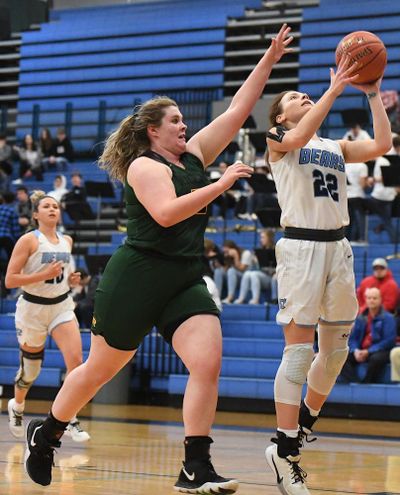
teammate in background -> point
(156, 277)
(42, 265)
(314, 260)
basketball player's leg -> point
(31, 359)
(68, 339)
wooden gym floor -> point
(137, 450)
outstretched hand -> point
(372, 87)
(234, 172)
(343, 76)
(280, 42)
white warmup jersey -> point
(46, 253)
(311, 186)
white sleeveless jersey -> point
(311, 186)
(46, 253)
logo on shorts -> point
(282, 303)
(93, 322)
(19, 332)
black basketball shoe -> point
(306, 422)
(39, 455)
(200, 477)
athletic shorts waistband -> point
(44, 300)
(314, 234)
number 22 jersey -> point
(311, 186)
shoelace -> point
(298, 474)
(77, 427)
(17, 418)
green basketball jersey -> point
(185, 239)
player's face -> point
(294, 106)
(48, 211)
(172, 132)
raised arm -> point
(208, 143)
(369, 149)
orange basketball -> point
(368, 51)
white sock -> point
(19, 407)
(289, 433)
(313, 412)
(73, 420)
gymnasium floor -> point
(136, 450)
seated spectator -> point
(9, 233)
(30, 159)
(236, 262)
(59, 188)
(23, 208)
(228, 199)
(62, 152)
(382, 278)
(214, 258)
(371, 339)
(84, 298)
(263, 278)
(6, 167)
(46, 143)
(74, 201)
(382, 197)
(395, 364)
(357, 176)
(356, 133)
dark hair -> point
(276, 108)
(76, 173)
(396, 141)
(36, 197)
(8, 197)
(22, 188)
(130, 139)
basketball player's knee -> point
(299, 358)
(292, 373)
(335, 360)
(29, 368)
(74, 360)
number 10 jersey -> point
(311, 186)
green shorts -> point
(138, 291)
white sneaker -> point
(290, 478)
(75, 431)
(15, 420)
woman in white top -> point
(314, 260)
(42, 265)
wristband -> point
(371, 95)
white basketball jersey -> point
(311, 186)
(46, 253)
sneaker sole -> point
(212, 488)
(272, 466)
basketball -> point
(368, 51)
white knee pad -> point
(333, 352)
(292, 373)
(29, 369)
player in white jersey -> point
(42, 265)
(314, 260)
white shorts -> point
(35, 321)
(315, 282)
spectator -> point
(46, 143)
(228, 199)
(62, 152)
(6, 167)
(356, 133)
(381, 200)
(9, 233)
(214, 258)
(59, 188)
(84, 298)
(74, 201)
(236, 262)
(371, 339)
(23, 208)
(382, 279)
(395, 364)
(30, 159)
(262, 278)
(357, 175)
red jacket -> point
(388, 287)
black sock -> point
(53, 429)
(197, 448)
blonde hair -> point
(130, 139)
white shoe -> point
(15, 420)
(75, 431)
(290, 478)
(238, 301)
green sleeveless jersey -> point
(186, 238)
